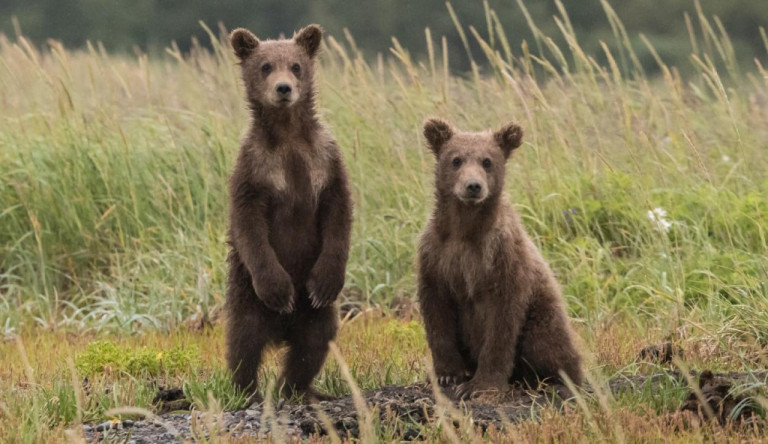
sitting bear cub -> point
(492, 309)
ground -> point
(189, 395)
(406, 412)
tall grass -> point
(113, 175)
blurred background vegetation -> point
(151, 25)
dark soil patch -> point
(405, 409)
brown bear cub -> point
(492, 310)
(290, 217)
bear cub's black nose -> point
(283, 89)
(474, 188)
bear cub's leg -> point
(250, 329)
(441, 322)
(308, 341)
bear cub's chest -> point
(465, 267)
(297, 175)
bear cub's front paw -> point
(325, 283)
(450, 379)
(450, 372)
(276, 291)
(480, 385)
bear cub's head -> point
(277, 73)
(470, 166)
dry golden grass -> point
(380, 351)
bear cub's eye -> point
(296, 69)
(456, 162)
(266, 68)
(487, 163)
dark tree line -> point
(152, 24)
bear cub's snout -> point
(472, 184)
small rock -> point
(170, 400)
(175, 406)
(171, 394)
(108, 425)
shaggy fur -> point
(492, 309)
(290, 217)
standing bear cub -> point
(491, 307)
(290, 217)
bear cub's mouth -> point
(471, 200)
(283, 102)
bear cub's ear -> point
(509, 137)
(437, 132)
(243, 42)
(309, 38)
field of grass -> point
(648, 195)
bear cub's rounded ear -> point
(437, 132)
(243, 42)
(509, 137)
(309, 38)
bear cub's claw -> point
(446, 380)
(324, 285)
(277, 293)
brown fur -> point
(492, 309)
(290, 217)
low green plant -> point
(217, 386)
(107, 356)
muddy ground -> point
(408, 406)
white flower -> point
(726, 158)
(658, 217)
(657, 212)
